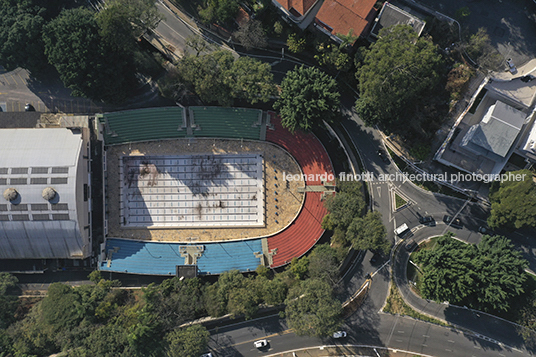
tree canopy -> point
(312, 310)
(86, 64)
(513, 202)
(486, 276)
(187, 342)
(308, 96)
(218, 77)
(396, 76)
(368, 233)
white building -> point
(45, 184)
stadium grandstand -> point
(245, 215)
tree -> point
(368, 233)
(480, 50)
(311, 309)
(343, 208)
(218, 77)
(8, 303)
(86, 64)
(251, 34)
(122, 21)
(308, 96)
(220, 11)
(324, 264)
(486, 276)
(513, 203)
(398, 72)
(187, 342)
(21, 25)
(295, 43)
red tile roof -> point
(302, 6)
(342, 15)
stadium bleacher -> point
(218, 122)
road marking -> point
(399, 341)
(400, 331)
(392, 330)
(16, 83)
(477, 347)
(422, 344)
(23, 82)
(425, 336)
(450, 341)
(446, 349)
(379, 191)
(5, 78)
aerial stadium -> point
(206, 190)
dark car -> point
(428, 220)
(411, 245)
(29, 108)
(383, 155)
(456, 223)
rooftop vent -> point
(48, 193)
(11, 194)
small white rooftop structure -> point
(49, 218)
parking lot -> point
(510, 23)
(17, 88)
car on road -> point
(339, 334)
(383, 155)
(207, 355)
(485, 230)
(29, 108)
(260, 343)
(411, 245)
(428, 220)
(455, 223)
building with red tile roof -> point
(342, 16)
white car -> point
(207, 355)
(511, 66)
(260, 343)
(339, 334)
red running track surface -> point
(306, 229)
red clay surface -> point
(305, 231)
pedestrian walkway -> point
(346, 351)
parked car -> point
(485, 230)
(383, 155)
(511, 66)
(411, 245)
(207, 355)
(456, 223)
(260, 343)
(428, 220)
(339, 334)
(29, 108)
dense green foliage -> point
(187, 342)
(350, 224)
(312, 310)
(218, 77)
(96, 54)
(251, 34)
(220, 11)
(308, 96)
(396, 77)
(8, 303)
(513, 202)
(368, 233)
(486, 276)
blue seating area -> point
(138, 257)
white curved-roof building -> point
(49, 216)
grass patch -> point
(399, 201)
(396, 305)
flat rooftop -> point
(200, 190)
